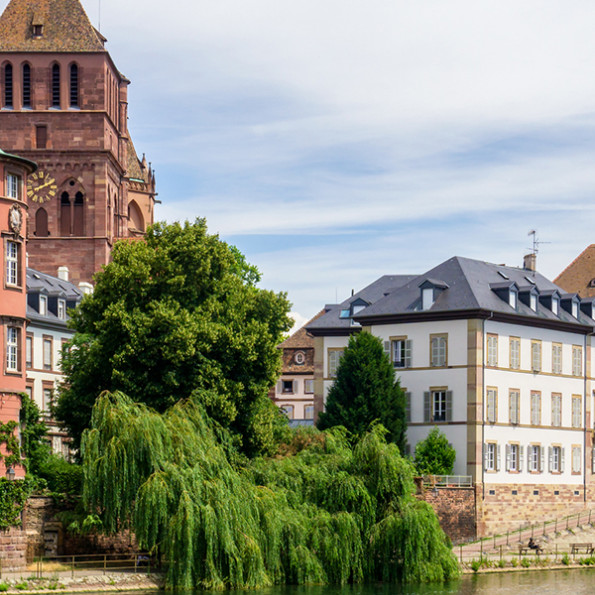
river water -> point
(552, 582)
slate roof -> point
(369, 294)
(38, 282)
(579, 274)
(301, 339)
(471, 284)
(65, 27)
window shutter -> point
(521, 457)
(427, 417)
(550, 458)
(541, 459)
(295, 386)
(562, 460)
(498, 457)
(448, 405)
(485, 456)
(279, 387)
(408, 407)
(529, 457)
(508, 457)
(407, 357)
(387, 348)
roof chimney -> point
(63, 273)
(530, 262)
(86, 288)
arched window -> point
(109, 218)
(26, 85)
(135, 217)
(56, 85)
(77, 220)
(74, 85)
(64, 214)
(41, 223)
(8, 101)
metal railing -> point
(448, 481)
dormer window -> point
(62, 311)
(512, 298)
(555, 306)
(575, 308)
(427, 298)
(430, 291)
(533, 302)
(43, 305)
(37, 30)
(299, 358)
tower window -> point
(41, 136)
(8, 101)
(74, 85)
(26, 85)
(56, 85)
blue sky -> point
(337, 141)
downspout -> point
(483, 401)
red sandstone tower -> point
(13, 299)
(63, 104)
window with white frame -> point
(534, 456)
(47, 353)
(48, 399)
(438, 350)
(491, 457)
(13, 185)
(575, 308)
(512, 298)
(577, 416)
(576, 458)
(427, 298)
(492, 350)
(536, 356)
(535, 408)
(62, 316)
(308, 411)
(438, 405)
(401, 352)
(29, 351)
(12, 263)
(533, 302)
(556, 358)
(555, 306)
(577, 360)
(556, 456)
(514, 405)
(309, 385)
(43, 305)
(514, 457)
(492, 405)
(515, 353)
(334, 357)
(556, 409)
(12, 349)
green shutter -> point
(407, 358)
(448, 405)
(427, 416)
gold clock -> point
(41, 187)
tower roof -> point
(47, 26)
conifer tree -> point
(365, 391)
(435, 455)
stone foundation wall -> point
(13, 549)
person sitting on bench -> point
(534, 546)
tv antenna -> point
(536, 242)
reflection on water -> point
(554, 582)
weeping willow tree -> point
(329, 513)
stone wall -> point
(13, 549)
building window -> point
(43, 305)
(556, 409)
(74, 85)
(61, 309)
(401, 352)
(12, 263)
(576, 459)
(12, 349)
(514, 404)
(309, 386)
(56, 85)
(512, 298)
(535, 408)
(492, 350)
(438, 405)
(26, 86)
(427, 298)
(556, 456)
(287, 386)
(556, 358)
(29, 351)
(536, 356)
(334, 356)
(48, 399)
(515, 353)
(438, 350)
(13, 185)
(299, 358)
(491, 457)
(41, 136)
(577, 416)
(47, 353)
(555, 306)
(577, 360)
(534, 462)
(575, 308)
(8, 99)
(309, 412)
(514, 458)
(492, 405)
(533, 302)
(288, 410)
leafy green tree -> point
(34, 443)
(435, 455)
(365, 391)
(179, 315)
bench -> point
(525, 549)
(575, 548)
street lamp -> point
(10, 473)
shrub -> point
(525, 562)
(566, 559)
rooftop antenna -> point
(536, 243)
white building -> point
(500, 359)
(48, 301)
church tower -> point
(63, 105)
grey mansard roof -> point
(470, 288)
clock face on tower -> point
(41, 187)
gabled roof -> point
(38, 281)
(301, 339)
(65, 27)
(471, 288)
(579, 274)
(369, 294)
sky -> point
(337, 141)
